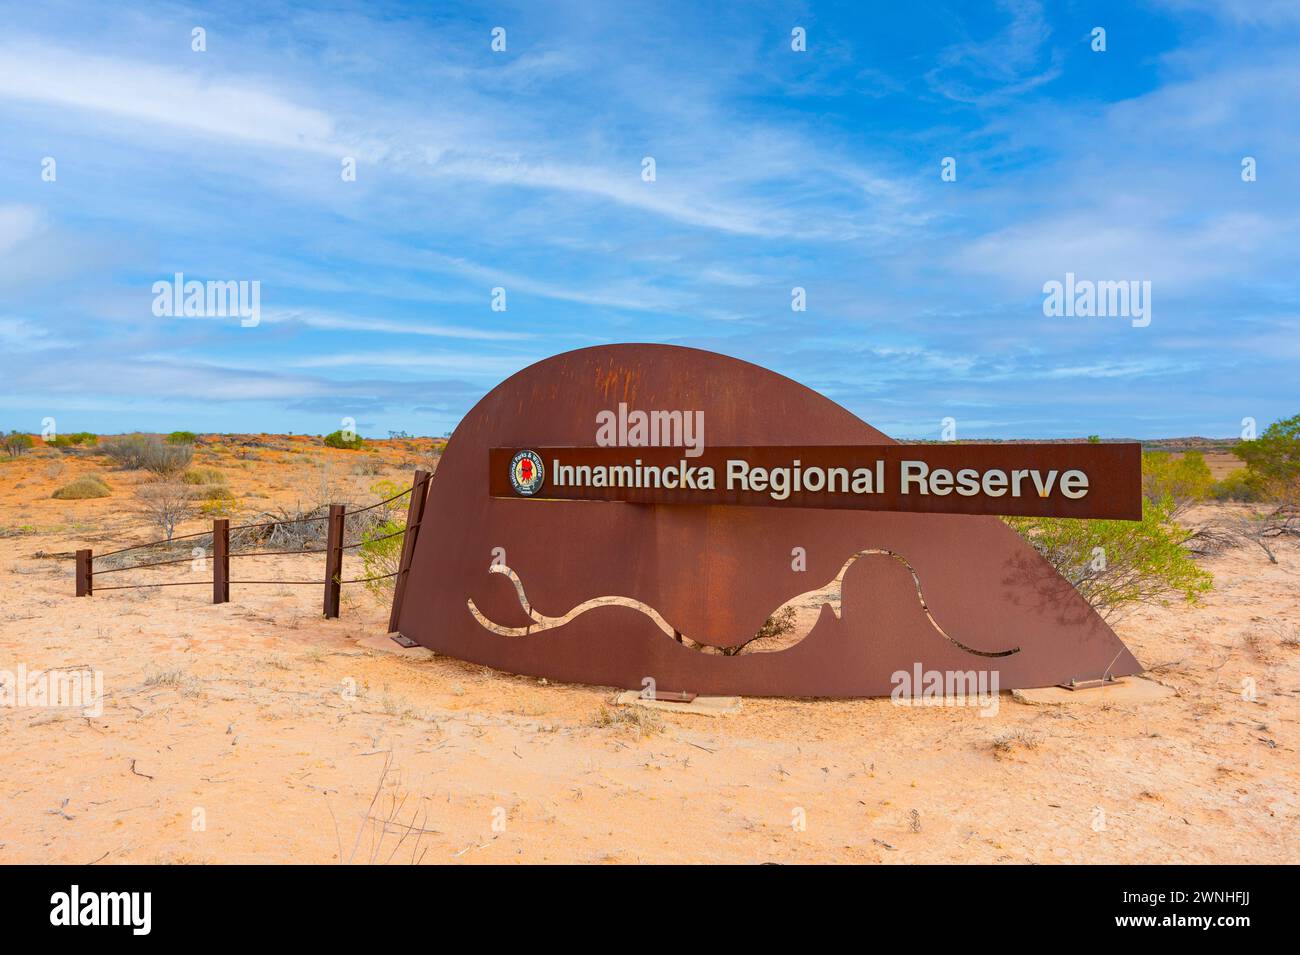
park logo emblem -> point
(526, 473)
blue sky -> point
(522, 169)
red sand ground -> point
(241, 717)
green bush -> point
(86, 486)
(182, 437)
(1118, 564)
(382, 557)
(1184, 480)
(1240, 485)
(16, 443)
(337, 439)
(76, 439)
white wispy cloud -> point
(223, 107)
(352, 323)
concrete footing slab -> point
(383, 642)
(1123, 690)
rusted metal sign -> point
(685, 597)
(1048, 480)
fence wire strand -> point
(268, 553)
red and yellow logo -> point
(526, 473)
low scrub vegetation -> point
(381, 552)
(381, 555)
(148, 452)
(86, 486)
(1182, 481)
(1119, 564)
(77, 439)
(1239, 485)
(199, 476)
(1116, 565)
(165, 505)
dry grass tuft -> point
(644, 720)
(1004, 744)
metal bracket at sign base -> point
(1088, 684)
(404, 641)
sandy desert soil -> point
(230, 733)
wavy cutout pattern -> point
(542, 623)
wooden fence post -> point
(221, 560)
(333, 560)
(85, 574)
(414, 515)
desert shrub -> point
(126, 450)
(74, 440)
(348, 441)
(168, 458)
(86, 486)
(1119, 564)
(182, 437)
(381, 557)
(16, 443)
(217, 501)
(1240, 485)
(148, 451)
(203, 476)
(165, 505)
(1184, 481)
(368, 466)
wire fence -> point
(217, 549)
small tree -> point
(1275, 454)
(16, 443)
(1273, 464)
(165, 505)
